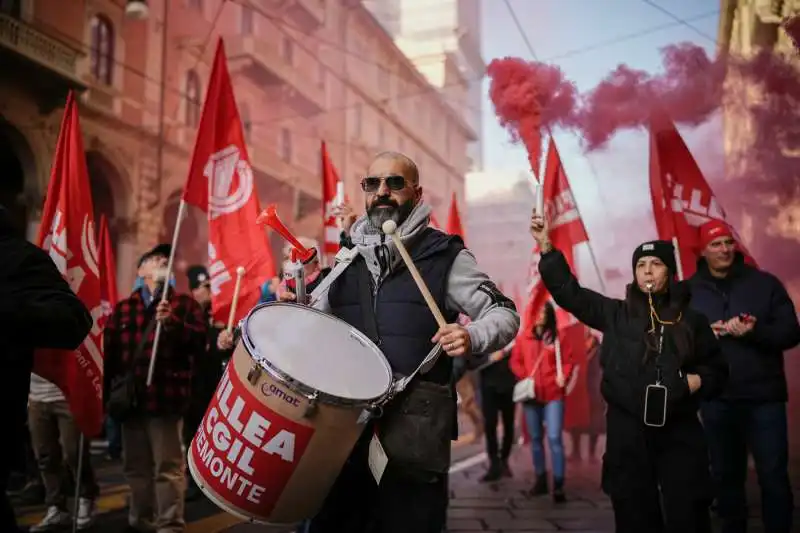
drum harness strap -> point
(344, 258)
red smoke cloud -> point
(792, 28)
(529, 97)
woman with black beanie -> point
(658, 359)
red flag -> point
(566, 231)
(221, 183)
(108, 271)
(330, 179)
(454, 226)
(682, 198)
(68, 233)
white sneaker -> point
(54, 518)
(86, 510)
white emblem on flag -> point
(217, 270)
(224, 195)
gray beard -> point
(378, 216)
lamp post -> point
(139, 10)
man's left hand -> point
(738, 327)
(454, 339)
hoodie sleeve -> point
(495, 321)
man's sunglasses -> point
(394, 183)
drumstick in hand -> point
(239, 275)
(389, 228)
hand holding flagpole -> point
(338, 202)
(239, 275)
(165, 293)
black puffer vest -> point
(405, 326)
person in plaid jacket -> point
(151, 437)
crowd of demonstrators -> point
(544, 414)
(755, 322)
(37, 310)
(659, 359)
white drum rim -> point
(225, 506)
(312, 394)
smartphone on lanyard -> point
(655, 395)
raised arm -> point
(591, 308)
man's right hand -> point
(286, 296)
(345, 213)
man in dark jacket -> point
(208, 366)
(37, 310)
(755, 321)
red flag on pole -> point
(682, 198)
(566, 232)
(454, 226)
(222, 184)
(330, 198)
(68, 233)
(108, 271)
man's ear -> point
(418, 193)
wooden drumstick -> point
(239, 275)
(389, 228)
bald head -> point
(394, 189)
(409, 168)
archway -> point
(102, 178)
(18, 178)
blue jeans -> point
(114, 437)
(732, 428)
(551, 415)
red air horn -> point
(269, 218)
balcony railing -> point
(262, 60)
(266, 160)
(38, 47)
(310, 13)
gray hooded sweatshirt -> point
(469, 291)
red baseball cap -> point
(713, 229)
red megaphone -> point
(269, 218)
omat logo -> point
(270, 389)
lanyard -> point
(660, 344)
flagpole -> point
(578, 209)
(678, 263)
(76, 496)
(165, 293)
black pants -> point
(493, 402)
(402, 503)
(644, 513)
(658, 478)
(733, 428)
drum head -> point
(319, 350)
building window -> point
(357, 112)
(12, 8)
(102, 49)
(247, 123)
(287, 49)
(192, 99)
(286, 145)
(246, 22)
(196, 4)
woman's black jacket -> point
(626, 371)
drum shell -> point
(324, 436)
